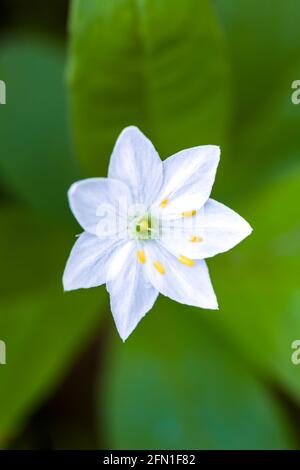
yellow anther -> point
(186, 260)
(141, 256)
(196, 239)
(164, 202)
(189, 213)
(159, 267)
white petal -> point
(131, 294)
(136, 162)
(188, 179)
(89, 261)
(99, 202)
(218, 227)
(189, 285)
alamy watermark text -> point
(2, 92)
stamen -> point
(159, 267)
(196, 239)
(141, 256)
(164, 202)
(189, 213)
(186, 260)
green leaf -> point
(43, 332)
(32, 250)
(35, 157)
(264, 45)
(263, 39)
(132, 62)
(43, 327)
(174, 384)
(258, 284)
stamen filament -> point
(159, 267)
(185, 260)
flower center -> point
(145, 227)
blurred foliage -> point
(42, 327)
(187, 73)
(35, 16)
(261, 307)
(177, 385)
(263, 43)
(39, 159)
(131, 65)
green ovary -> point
(146, 228)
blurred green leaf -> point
(35, 157)
(174, 384)
(32, 250)
(43, 333)
(258, 283)
(264, 46)
(264, 42)
(43, 327)
(135, 63)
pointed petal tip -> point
(213, 306)
(248, 230)
(72, 190)
(130, 129)
(77, 184)
(212, 150)
(216, 152)
(133, 132)
(124, 335)
(66, 285)
(217, 148)
(212, 303)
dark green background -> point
(187, 73)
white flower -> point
(148, 228)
